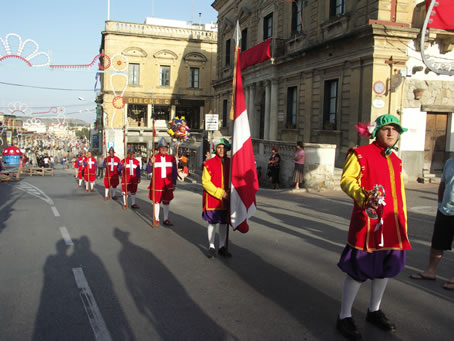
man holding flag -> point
(216, 192)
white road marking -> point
(91, 308)
(66, 237)
(54, 209)
(35, 191)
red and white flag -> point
(442, 14)
(244, 183)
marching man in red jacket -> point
(129, 170)
(163, 180)
(89, 172)
(111, 178)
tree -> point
(83, 132)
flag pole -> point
(236, 35)
(153, 179)
(125, 205)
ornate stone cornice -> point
(165, 54)
(134, 52)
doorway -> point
(435, 145)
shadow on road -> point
(61, 314)
(160, 297)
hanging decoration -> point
(86, 66)
(119, 76)
(18, 108)
(52, 110)
(178, 129)
(27, 51)
(32, 123)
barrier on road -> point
(38, 171)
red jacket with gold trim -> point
(215, 181)
(378, 169)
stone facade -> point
(155, 69)
(330, 69)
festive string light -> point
(85, 66)
(18, 53)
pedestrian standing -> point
(274, 168)
(163, 181)
(377, 242)
(443, 232)
(130, 178)
(298, 175)
(46, 161)
(100, 165)
(216, 197)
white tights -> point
(350, 290)
(212, 234)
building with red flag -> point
(336, 63)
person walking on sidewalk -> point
(298, 175)
(100, 165)
(443, 232)
(377, 236)
(216, 195)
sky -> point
(69, 31)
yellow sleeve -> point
(351, 179)
(209, 187)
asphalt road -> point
(76, 267)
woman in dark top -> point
(273, 167)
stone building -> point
(161, 69)
(336, 63)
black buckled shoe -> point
(378, 319)
(348, 328)
(224, 253)
(211, 252)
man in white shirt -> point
(443, 233)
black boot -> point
(379, 319)
(224, 253)
(348, 328)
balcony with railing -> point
(163, 31)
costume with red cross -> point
(164, 178)
(129, 170)
(80, 166)
(89, 172)
(111, 178)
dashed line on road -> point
(55, 211)
(66, 237)
(91, 308)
